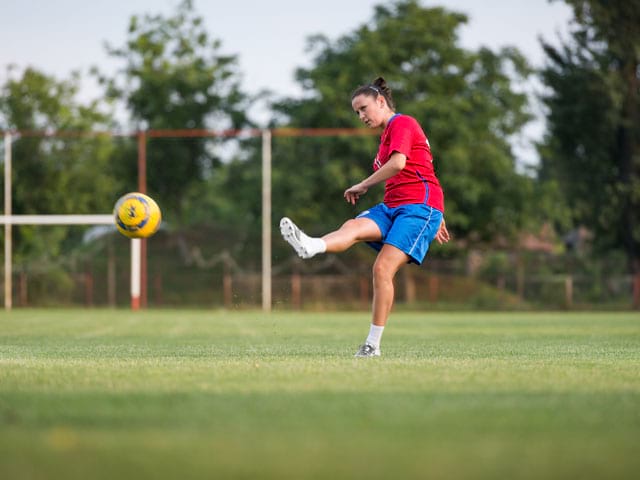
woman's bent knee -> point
(361, 229)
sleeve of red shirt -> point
(401, 136)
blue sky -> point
(59, 36)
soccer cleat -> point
(296, 238)
(367, 350)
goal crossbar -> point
(56, 219)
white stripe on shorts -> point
(421, 231)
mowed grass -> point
(106, 394)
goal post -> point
(8, 220)
(8, 248)
(99, 219)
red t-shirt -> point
(417, 182)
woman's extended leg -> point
(351, 232)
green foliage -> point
(51, 287)
(175, 78)
(465, 100)
(592, 149)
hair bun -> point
(380, 83)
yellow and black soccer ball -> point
(137, 215)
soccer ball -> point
(137, 215)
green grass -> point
(106, 394)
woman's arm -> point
(395, 164)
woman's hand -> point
(352, 194)
(443, 234)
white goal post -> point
(100, 219)
(106, 219)
(8, 220)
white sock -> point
(315, 245)
(375, 334)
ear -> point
(381, 101)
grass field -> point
(106, 394)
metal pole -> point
(8, 267)
(142, 188)
(135, 273)
(266, 220)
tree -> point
(175, 78)
(54, 175)
(592, 147)
(466, 101)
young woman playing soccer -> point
(405, 223)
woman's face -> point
(372, 111)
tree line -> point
(173, 75)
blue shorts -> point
(410, 228)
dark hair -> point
(378, 87)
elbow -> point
(399, 162)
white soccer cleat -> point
(296, 238)
(367, 350)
